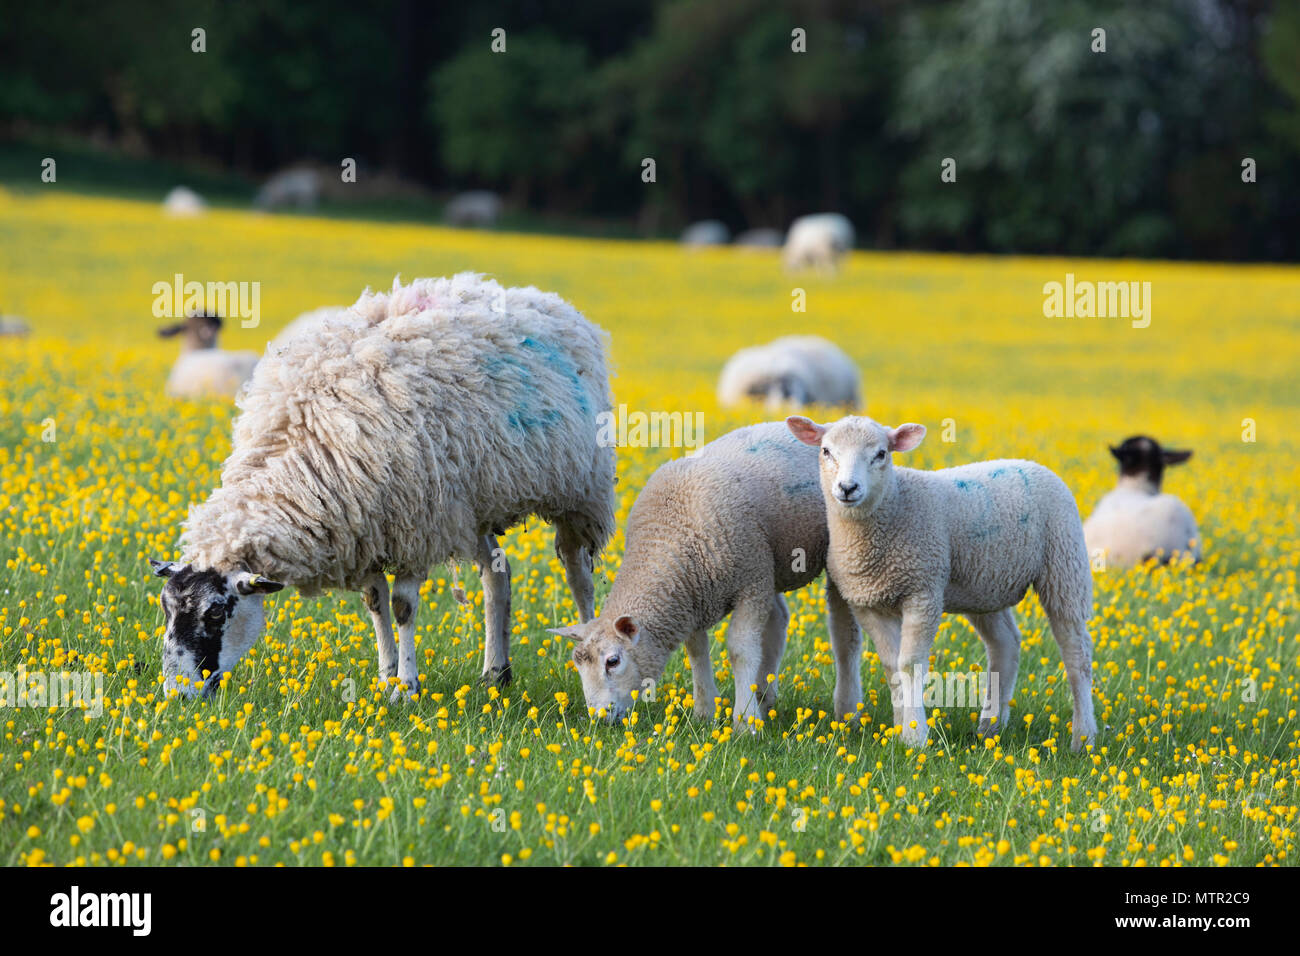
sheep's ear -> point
(626, 628)
(576, 631)
(805, 429)
(167, 331)
(1176, 457)
(906, 437)
(256, 584)
(1116, 452)
(164, 569)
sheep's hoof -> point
(407, 690)
(496, 676)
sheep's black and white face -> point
(856, 466)
(212, 621)
(1142, 457)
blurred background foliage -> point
(1135, 151)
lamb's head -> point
(1143, 459)
(856, 465)
(608, 658)
(199, 328)
(212, 620)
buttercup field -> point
(301, 758)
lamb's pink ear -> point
(906, 437)
(626, 628)
(806, 430)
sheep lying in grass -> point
(182, 201)
(726, 531)
(1135, 522)
(203, 370)
(412, 436)
(818, 242)
(907, 546)
(791, 372)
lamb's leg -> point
(886, 630)
(921, 616)
(406, 604)
(375, 593)
(577, 569)
(1001, 639)
(745, 647)
(705, 691)
(774, 636)
(846, 643)
(494, 569)
(1071, 635)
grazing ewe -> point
(908, 546)
(789, 373)
(1135, 522)
(203, 370)
(475, 209)
(726, 531)
(710, 232)
(183, 201)
(818, 242)
(452, 410)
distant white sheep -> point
(709, 232)
(452, 410)
(1135, 522)
(907, 546)
(298, 188)
(203, 370)
(13, 325)
(182, 201)
(791, 372)
(818, 242)
(475, 209)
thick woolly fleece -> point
(1135, 523)
(790, 372)
(452, 408)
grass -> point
(301, 760)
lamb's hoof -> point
(496, 676)
(993, 728)
(406, 690)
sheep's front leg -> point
(846, 643)
(704, 690)
(921, 616)
(577, 569)
(886, 630)
(375, 593)
(1001, 640)
(406, 604)
(745, 647)
(494, 570)
(774, 637)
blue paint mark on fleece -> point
(984, 526)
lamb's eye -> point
(612, 662)
(880, 455)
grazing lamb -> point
(203, 370)
(789, 373)
(183, 201)
(451, 411)
(726, 531)
(475, 209)
(818, 242)
(1135, 522)
(709, 232)
(907, 546)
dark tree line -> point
(1058, 147)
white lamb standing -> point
(907, 546)
(818, 242)
(728, 530)
(1135, 523)
(791, 372)
(203, 370)
(452, 411)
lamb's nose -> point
(848, 488)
